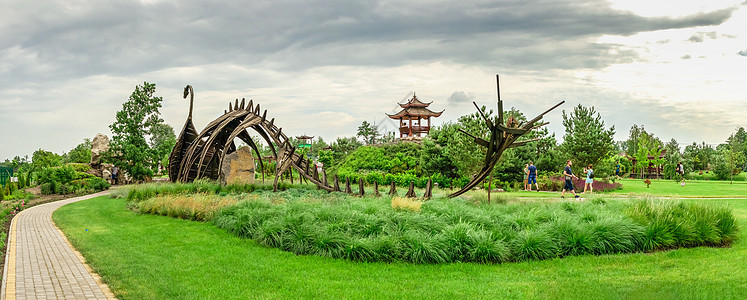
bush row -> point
(87, 185)
(557, 183)
(403, 179)
(146, 191)
(456, 230)
(66, 180)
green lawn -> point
(692, 188)
(155, 257)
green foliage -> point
(671, 224)
(671, 159)
(226, 262)
(721, 167)
(162, 141)
(142, 192)
(433, 160)
(341, 148)
(369, 132)
(139, 116)
(396, 158)
(698, 156)
(455, 230)
(586, 140)
(80, 154)
(45, 159)
(66, 180)
(461, 149)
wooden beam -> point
(478, 140)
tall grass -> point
(197, 207)
(308, 221)
(456, 230)
(143, 192)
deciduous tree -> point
(129, 149)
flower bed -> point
(556, 183)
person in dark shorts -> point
(617, 170)
(532, 178)
(115, 174)
(568, 175)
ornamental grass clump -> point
(372, 229)
(406, 203)
(443, 231)
(193, 207)
(671, 223)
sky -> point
(323, 67)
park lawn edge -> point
(704, 272)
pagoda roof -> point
(304, 137)
(414, 102)
(415, 113)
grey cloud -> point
(460, 97)
(700, 36)
(685, 57)
(126, 37)
(742, 53)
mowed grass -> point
(156, 257)
(692, 188)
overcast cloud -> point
(322, 67)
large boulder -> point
(99, 145)
(238, 167)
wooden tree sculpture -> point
(502, 137)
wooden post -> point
(337, 184)
(348, 190)
(376, 188)
(361, 191)
(428, 190)
(411, 191)
(490, 186)
(393, 190)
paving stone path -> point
(41, 264)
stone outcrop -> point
(238, 167)
(99, 145)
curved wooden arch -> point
(201, 155)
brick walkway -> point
(41, 264)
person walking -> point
(568, 175)
(532, 178)
(526, 176)
(589, 180)
(681, 171)
(115, 174)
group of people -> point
(530, 177)
(568, 175)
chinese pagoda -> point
(304, 141)
(411, 116)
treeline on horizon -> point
(448, 156)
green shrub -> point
(49, 188)
(310, 221)
(78, 167)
